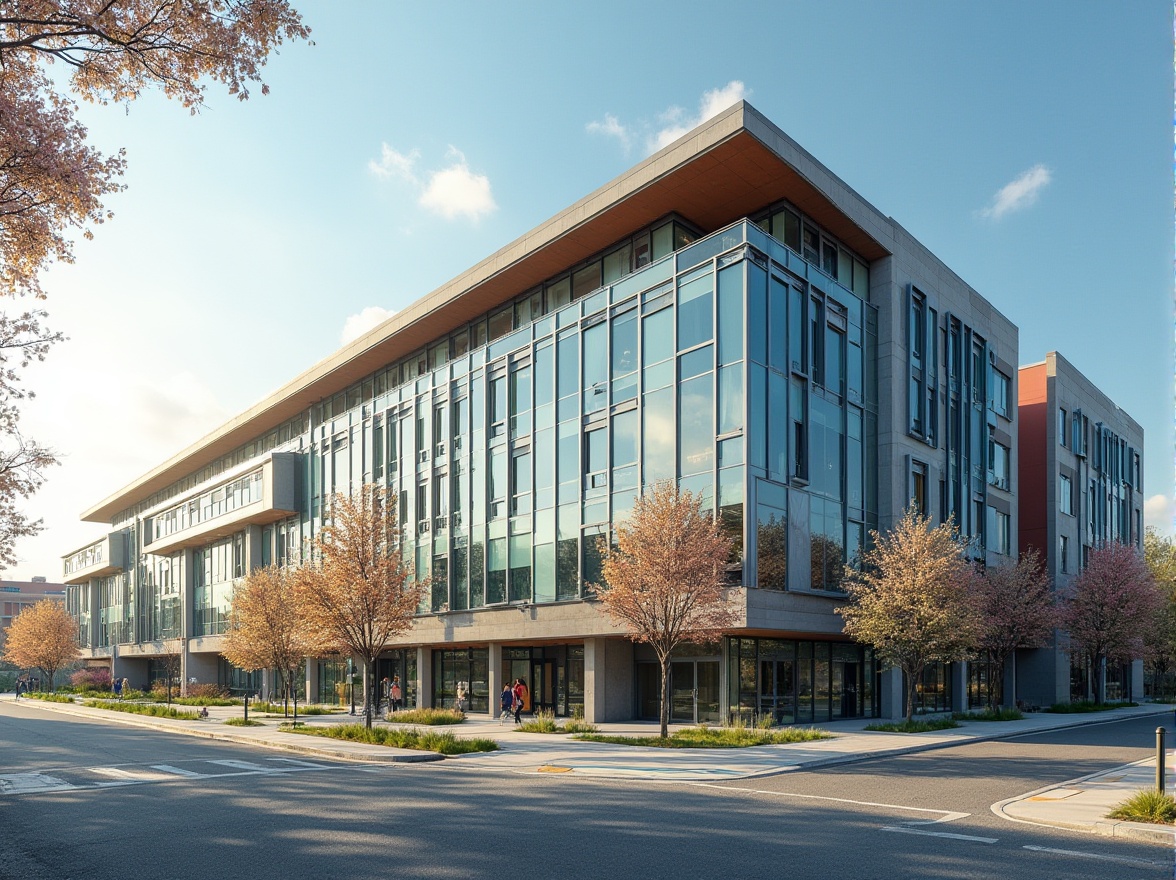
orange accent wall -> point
(1032, 443)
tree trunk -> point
(912, 683)
(367, 694)
(1096, 679)
(665, 697)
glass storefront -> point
(799, 682)
(467, 669)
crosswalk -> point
(75, 778)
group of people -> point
(392, 693)
(120, 686)
(513, 700)
(25, 685)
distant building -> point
(15, 596)
(1081, 485)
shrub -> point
(278, 709)
(542, 722)
(93, 678)
(430, 717)
(210, 691)
(1147, 805)
(919, 725)
(241, 722)
(51, 698)
(579, 726)
(151, 709)
(1002, 714)
(1077, 706)
(405, 738)
(714, 737)
(206, 701)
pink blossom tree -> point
(1109, 608)
(1017, 609)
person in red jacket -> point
(520, 693)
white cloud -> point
(357, 325)
(394, 165)
(712, 104)
(453, 191)
(456, 191)
(610, 126)
(1160, 512)
(1019, 194)
(673, 122)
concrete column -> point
(1136, 694)
(494, 678)
(959, 686)
(253, 536)
(424, 683)
(893, 698)
(595, 689)
(1009, 694)
(312, 680)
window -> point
(998, 464)
(998, 393)
(919, 486)
(999, 536)
(1062, 437)
(1064, 554)
(1065, 495)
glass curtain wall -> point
(800, 681)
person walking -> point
(394, 693)
(520, 694)
(117, 686)
(126, 686)
(461, 696)
(385, 693)
(506, 700)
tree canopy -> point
(1017, 610)
(53, 183)
(359, 592)
(913, 599)
(1110, 606)
(267, 629)
(664, 580)
(43, 635)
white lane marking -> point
(902, 830)
(30, 783)
(177, 771)
(1126, 860)
(309, 765)
(945, 815)
(245, 765)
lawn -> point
(713, 737)
(403, 738)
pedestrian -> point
(506, 700)
(386, 692)
(20, 686)
(520, 693)
(394, 693)
(126, 686)
(461, 696)
(117, 688)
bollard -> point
(1160, 759)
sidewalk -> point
(1079, 804)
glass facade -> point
(795, 681)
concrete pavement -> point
(1079, 804)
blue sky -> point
(1029, 146)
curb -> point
(401, 756)
(1103, 827)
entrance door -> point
(845, 689)
(777, 694)
(542, 685)
(707, 678)
(682, 692)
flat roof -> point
(728, 167)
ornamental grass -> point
(443, 742)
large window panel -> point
(696, 434)
(695, 311)
(731, 314)
(657, 436)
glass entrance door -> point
(682, 692)
(707, 677)
(777, 690)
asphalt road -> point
(85, 800)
